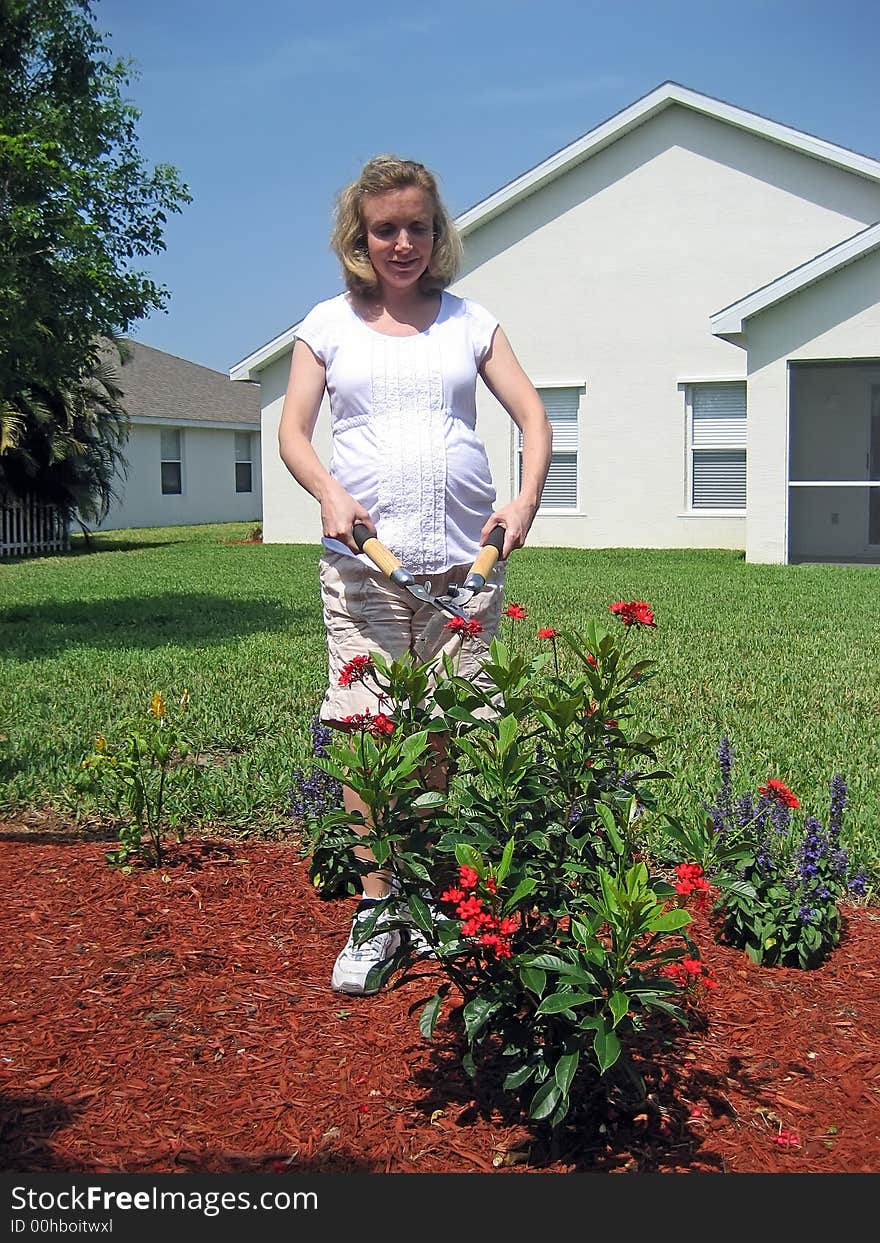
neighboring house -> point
(695, 291)
(194, 449)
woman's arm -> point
(305, 391)
(506, 380)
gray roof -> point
(157, 385)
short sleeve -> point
(482, 328)
(313, 330)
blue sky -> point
(269, 107)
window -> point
(243, 464)
(172, 464)
(561, 488)
(717, 445)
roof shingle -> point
(157, 385)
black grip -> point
(361, 534)
(496, 538)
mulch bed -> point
(181, 1021)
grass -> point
(781, 659)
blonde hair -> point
(349, 238)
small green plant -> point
(779, 882)
(132, 778)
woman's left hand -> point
(516, 517)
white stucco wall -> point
(838, 318)
(607, 278)
(208, 480)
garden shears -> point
(384, 559)
(458, 597)
(452, 602)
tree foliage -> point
(79, 210)
(65, 444)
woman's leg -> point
(376, 884)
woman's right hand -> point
(339, 513)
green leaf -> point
(516, 1078)
(550, 962)
(476, 1014)
(607, 1048)
(508, 728)
(429, 1015)
(468, 857)
(533, 979)
(557, 1002)
(564, 1070)
(506, 859)
(523, 889)
(606, 815)
(619, 1003)
(431, 798)
(545, 1100)
(671, 921)
(420, 912)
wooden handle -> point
(381, 556)
(489, 554)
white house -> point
(194, 450)
(695, 290)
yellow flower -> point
(101, 743)
(184, 700)
(157, 705)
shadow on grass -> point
(79, 548)
(138, 624)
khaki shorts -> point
(364, 612)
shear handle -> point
(381, 556)
(485, 562)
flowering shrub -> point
(314, 794)
(779, 883)
(522, 873)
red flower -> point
(467, 877)
(467, 629)
(633, 613)
(355, 670)
(379, 725)
(547, 633)
(787, 1139)
(778, 791)
(516, 611)
(591, 659)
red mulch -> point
(182, 1021)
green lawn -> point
(782, 659)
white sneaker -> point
(356, 961)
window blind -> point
(560, 488)
(718, 446)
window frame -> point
(178, 461)
(711, 511)
(248, 461)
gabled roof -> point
(731, 318)
(664, 96)
(163, 388)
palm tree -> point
(65, 446)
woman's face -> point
(399, 225)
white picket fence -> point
(28, 526)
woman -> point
(399, 357)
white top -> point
(403, 420)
